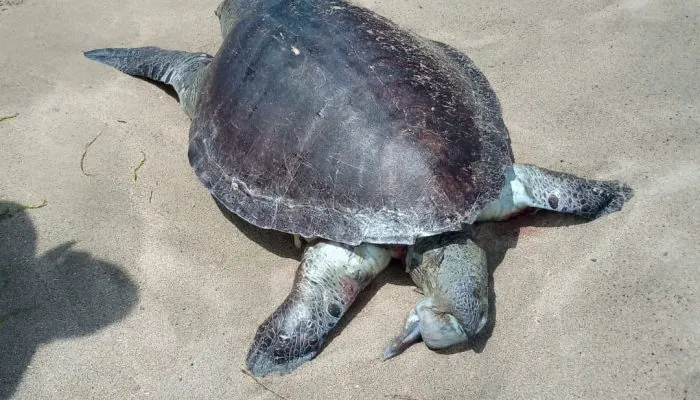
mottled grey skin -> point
(452, 273)
(389, 90)
(529, 186)
(327, 282)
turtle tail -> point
(180, 69)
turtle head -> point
(441, 326)
(453, 275)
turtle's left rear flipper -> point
(328, 281)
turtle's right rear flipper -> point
(181, 69)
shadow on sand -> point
(57, 295)
(278, 243)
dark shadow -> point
(546, 219)
(60, 294)
(169, 90)
(279, 243)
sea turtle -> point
(325, 120)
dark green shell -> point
(323, 119)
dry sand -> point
(123, 288)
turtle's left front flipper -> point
(529, 186)
(183, 70)
(328, 281)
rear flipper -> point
(328, 281)
(453, 274)
(528, 186)
(182, 70)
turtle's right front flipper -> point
(182, 70)
(529, 186)
(328, 281)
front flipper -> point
(528, 186)
(327, 282)
(453, 274)
(182, 70)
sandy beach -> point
(120, 277)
